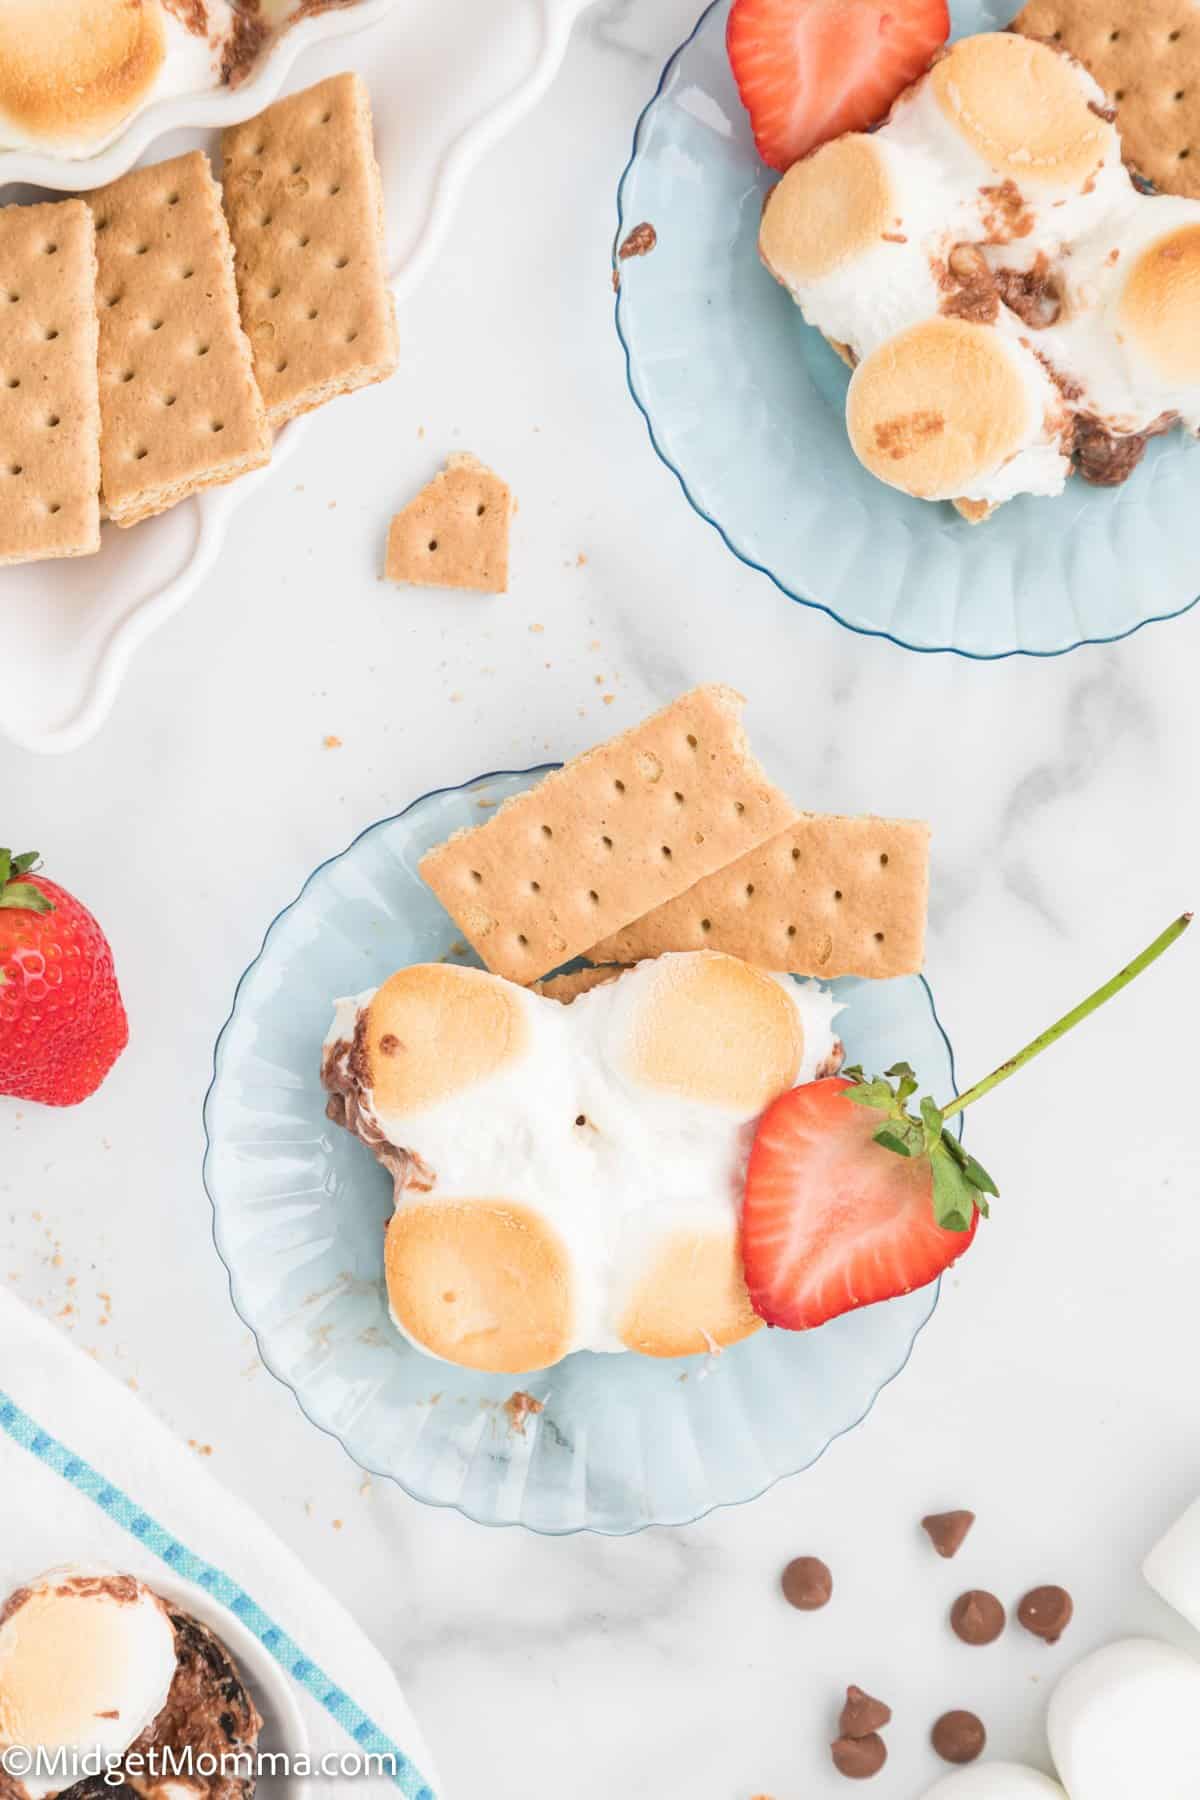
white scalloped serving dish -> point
(444, 91)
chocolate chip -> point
(1046, 1611)
(947, 1531)
(958, 1737)
(859, 1758)
(807, 1583)
(977, 1617)
(862, 1714)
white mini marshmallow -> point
(995, 1781)
(1119, 1724)
(1173, 1566)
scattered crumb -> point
(331, 742)
(337, 1524)
(420, 431)
(608, 699)
(132, 1383)
(581, 560)
(364, 1486)
(455, 697)
(595, 644)
(200, 1449)
(599, 680)
(333, 506)
(308, 1509)
(536, 628)
(520, 1407)
(485, 805)
(639, 242)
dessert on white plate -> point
(1014, 308)
(73, 73)
(108, 1679)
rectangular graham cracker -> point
(305, 206)
(828, 896)
(49, 403)
(179, 407)
(454, 533)
(608, 837)
(1146, 55)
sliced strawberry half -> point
(833, 1220)
(808, 70)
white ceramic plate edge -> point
(216, 508)
(224, 106)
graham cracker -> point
(1146, 55)
(454, 534)
(49, 403)
(179, 407)
(828, 896)
(566, 988)
(305, 206)
(609, 837)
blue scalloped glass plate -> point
(745, 403)
(300, 1209)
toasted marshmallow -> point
(1127, 342)
(950, 410)
(72, 73)
(1020, 136)
(570, 1178)
(86, 1663)
(995, 1781)
(1114, 1724)
(845, 232)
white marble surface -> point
(1054, 1391)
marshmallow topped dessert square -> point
(570, 1177)
(1013, 307)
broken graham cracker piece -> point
(49, 404)
(454, 534)
(828, 896)
(608, 837)
(179, 407)
(305, 207)
(1146, 56)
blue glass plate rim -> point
(371, 1469)
(750, 562)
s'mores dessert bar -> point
(568, 1151)
(1014, 309)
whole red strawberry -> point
(62, 1022)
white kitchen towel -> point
(87, 1474)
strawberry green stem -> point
(1069, 1021)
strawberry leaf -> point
(954, 1199)
(960, 1184)
(16, 893)
(22, 894)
